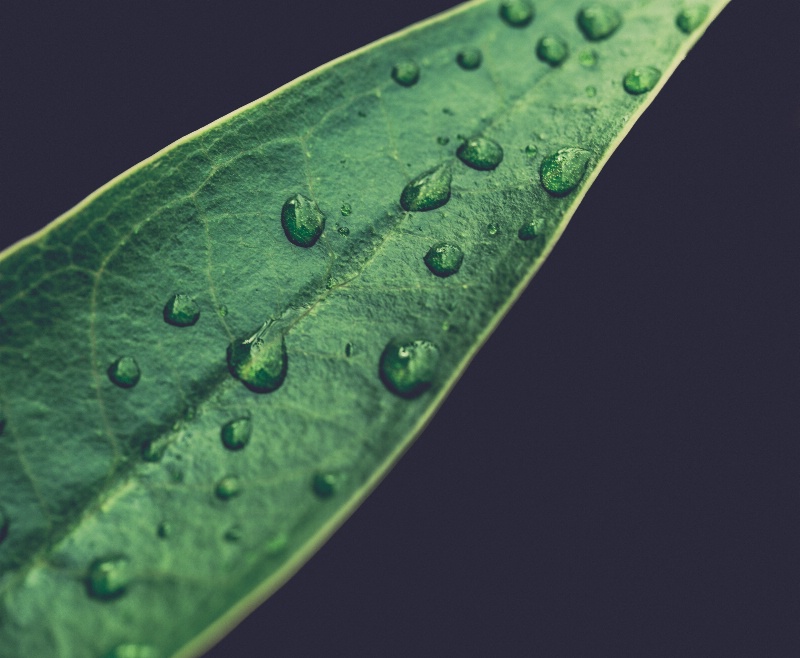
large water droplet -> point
(302, 220)
(324, 484)
(517, 13)
(4, 521)
(428, 191)
(690, 18)
(562, 171)
(124, 372)
(480, 153)
(181, 311)
(598, 21)
(444, 259)
(132, 651)
(641, 80)
(407, 367)
(235, 433)
(405, 73)
(469, 59)
(108, 578)
(530, 230)
(228, 487)
(260, 362)
(552, 50)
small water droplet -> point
(124, 372)
(260, 362)
(552, 50)
(233, 534)
(163, 530)
(480, 153)
(407, 367)
(153, 449)
(588, 58)
(598, 21)
(108, 578)
(591, 92)
(324, 484)
(346, 209)
(427, 191)
(641, 80)
(690, 18)
(405, 73)
(517, 13)
(493, 228)
(530, 230)
(348, 350)
(343, 231)
(470, 58)
(303, 221)
(4, 522)
(562, 171)
(442, 141)
(277, 544)
(444, 259)
(132, 651)
(228, 487)
(531, 150)
(236, 433)
(181, 311)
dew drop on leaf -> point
(4, 521)
(236, 433)
(552, 50)
(303, 221)
(517, 13)
(228, 487)
(591, 91)
(132, 651)
(427, 191)
(405, 73)
(153, 449)
(124, 372)
(324, 484)
(407, 367)
(641, 80)
(531, 150)
(346, 209)
(598, 21)
(588, 58)
(690, 18)
(181, 311)
(108, 578)
(470, 58)
(480, 153)
(260, 362)
(530, 230)
(444, 259)
(343, 231)
(562, 171)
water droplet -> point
(562, 171)
(405, 73)
(181, 311)
(591, 92)
(588, 58)
(343, 231)
(124, 372)
(469, 59)
(598, 21)
(228, 487)
(641, 80)
(530, 230)
(348, 350)
(690, 18)
(4, 521)
(517, 13)
(480, 153)
(427, 191)
(108, 578)
(324, 484)
(132, 651)
(260, 362)
(552, 50)
(407, 367)
(493, 228)
(153, 449)
(163, 530)
(442, 141)
(444, 259)
(222, 311)
(346, 209)
(233, 534)
(302, 220)
(531, 150)
(236, 433)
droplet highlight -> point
(444, 259)
(480, 153)
(124, 372)
(303, 221)
(108, 578)
(408, 367)
(427, 191)
(552, 50)
(405, 73)
(469, 59)
(181, 311)
(517, 13)
(260, 362)
(598, 22)
(228, 487)
(562, 171)
(324, 485)
(235, 434)
(690, 18)
(641, 80)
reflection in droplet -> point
(598, 21)
(260, 361)
(408, 367)
(124, 372)
(562, 171)
(427, 191)
(324, 484)
(517, 13)
(181, 311)
(303, 221)
(228, 487)
(444, 259)
(690, 18)
(480, 153)
(108, 578)
(469, 59)
(236, 433)
(641, 80)
(552, 50)
(406, 73)
(530, 230)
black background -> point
(617, 472)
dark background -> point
(617, 472)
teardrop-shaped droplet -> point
(132, 651)
(4, 522)
(236, 433)
(562, 171)
(108, 578)
(228, 487)
(181, 311)
(124, 372)
(444, 259)
(530, 230)
(408, 367)
(303, 221)
(470, 58)
(428, 191)
(260, 362)
(690, 18)
(517, 13)
(405, 73)
(552, 50)
(480, 153)
(641, 80)
(598, 21)
(324, 484)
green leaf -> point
(83, 307)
